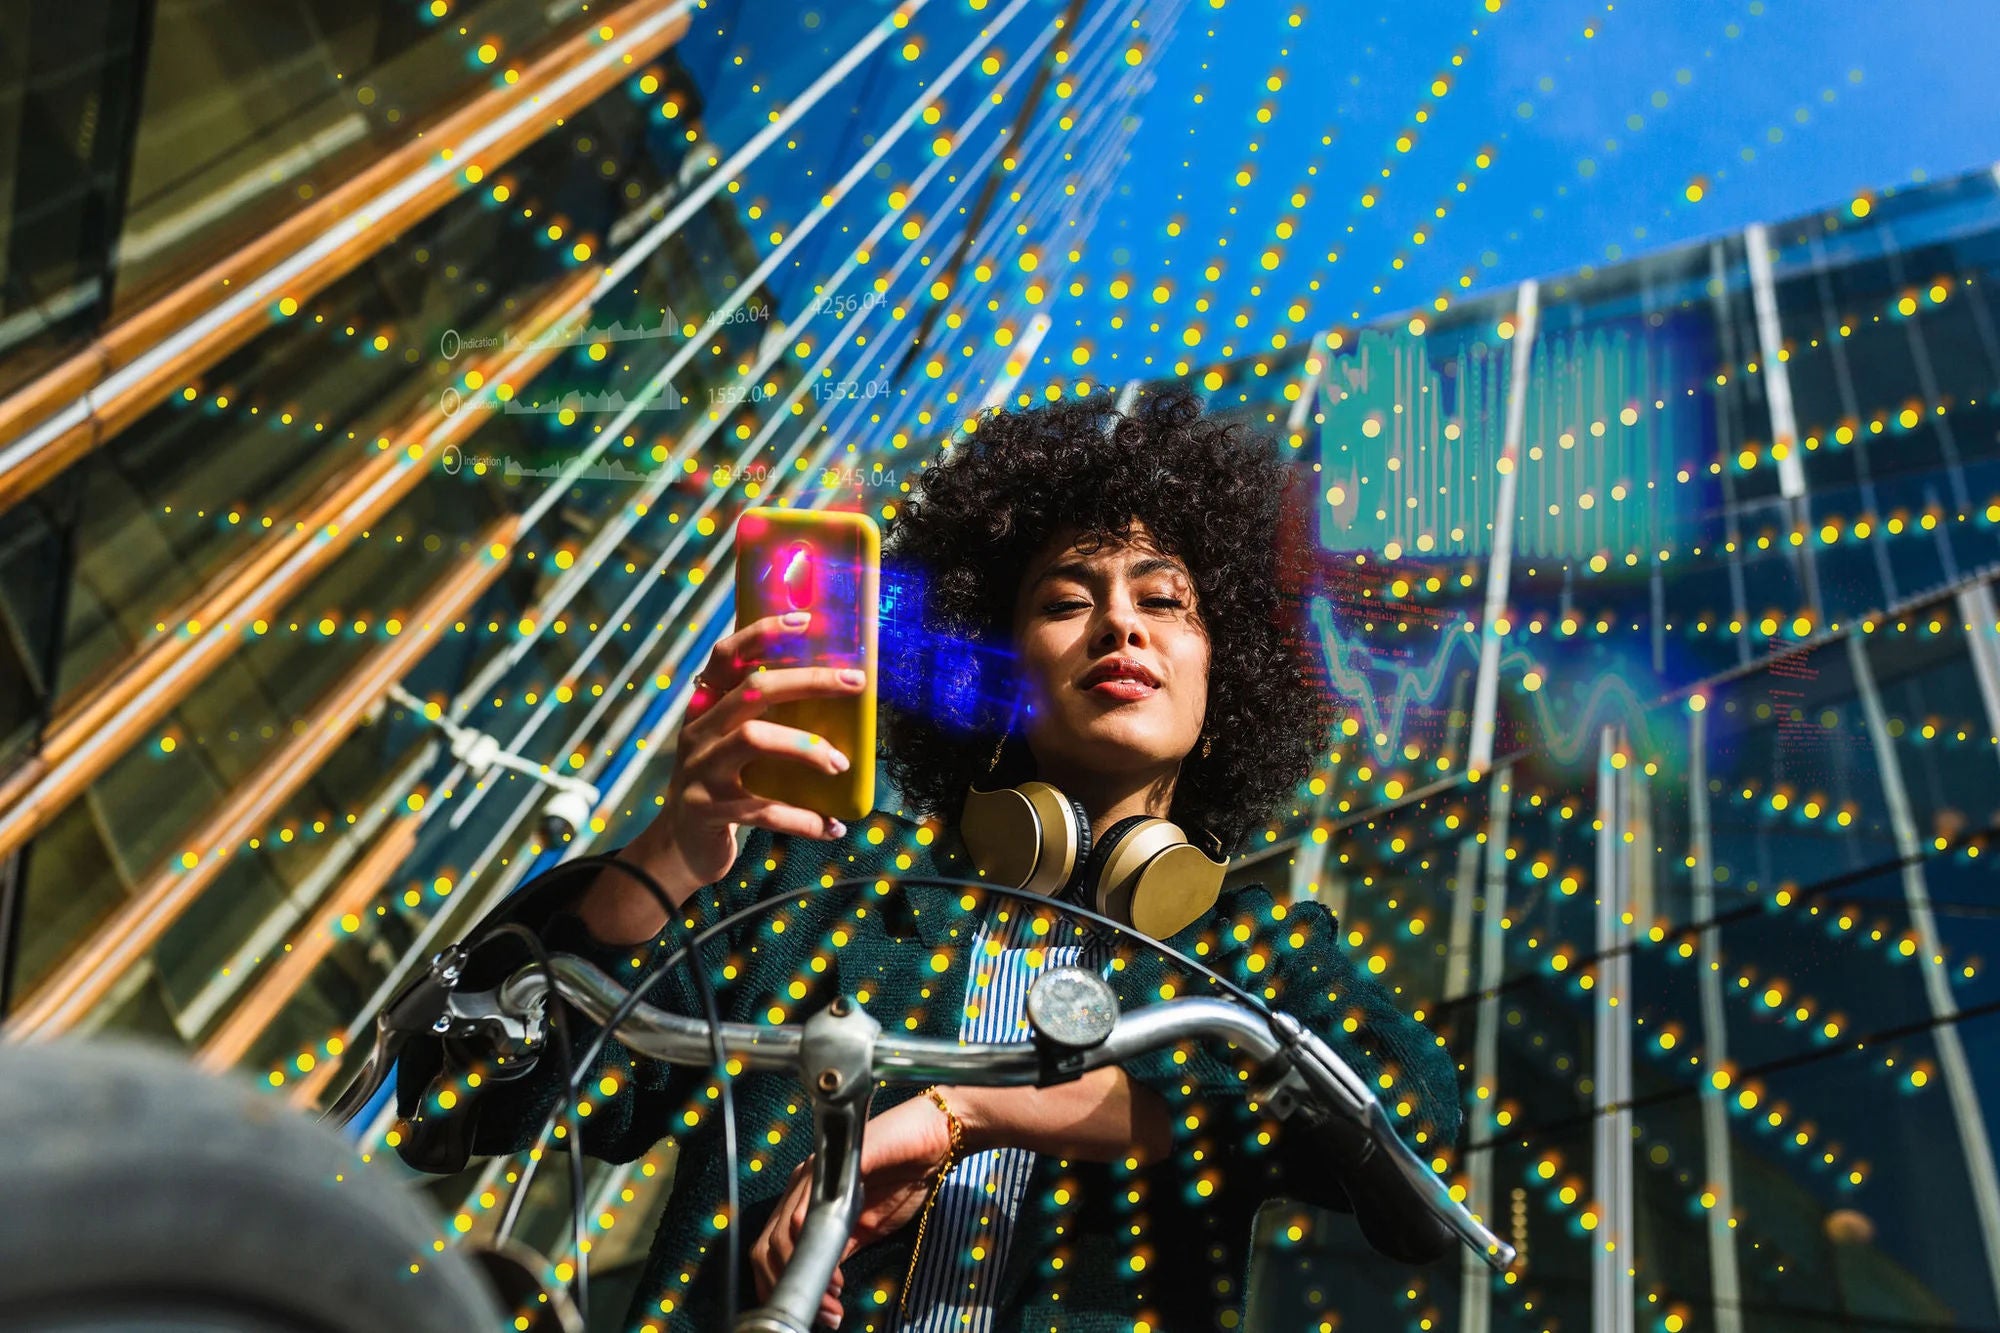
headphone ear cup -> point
(1151, 877)
(1047, 832)
(1091, 887)
(1178, 887)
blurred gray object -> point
(137, 1192)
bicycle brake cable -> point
(559, 1024)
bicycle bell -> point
(1073, 1008)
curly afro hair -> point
(1212, 493)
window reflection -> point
(68, 75)
(1801, 919)
(176, 503)
(253, 110)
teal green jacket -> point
(1097, 1247)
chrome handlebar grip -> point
(1336, 1084)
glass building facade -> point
(1696, 883)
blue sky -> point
(1770, 107)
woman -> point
(1087, 547)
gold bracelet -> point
(957, 1131)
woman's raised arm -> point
(692, 841)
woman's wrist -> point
(1106, 1115)
(975, 1116)
(618, 909)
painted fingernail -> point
(836, 829)
(852, 676)
(840, 762)
(795, 619)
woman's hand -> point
(692, 841)
(724, 729)
(901, 1152)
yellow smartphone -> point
(828, 562)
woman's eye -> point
(1073, 605)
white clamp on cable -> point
(478, 751)
(571, 800)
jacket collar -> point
(930, 913)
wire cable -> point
(559, 1023)
(577, 1071)
(705, 988)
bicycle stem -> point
(836, 1063)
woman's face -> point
(1129, 609)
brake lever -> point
(1315, 1076)
(1305, 1082)
(374, 1073)
(433, 1006)
(419, 1008)
(515, 1039)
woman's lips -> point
(1123, 687)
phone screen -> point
(820, 572)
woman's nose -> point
(1122, 623)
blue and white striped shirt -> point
(972, 1222)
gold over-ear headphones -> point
(1143, 872)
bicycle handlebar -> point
(686, 1041)
(840, 1054)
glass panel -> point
(252, 110)
(204, 483)
(36, 552)
(199, 486)
(161, 499)
(1793, 1061)
(67, 83)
